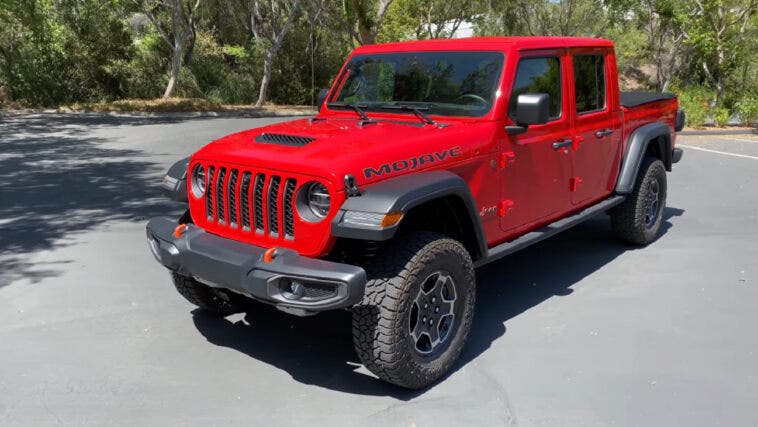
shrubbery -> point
(700, 105)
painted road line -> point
(731, 138)
(718, 152)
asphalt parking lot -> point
(577, 330)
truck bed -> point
(634, 99)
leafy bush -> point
(747, 107)
(721, 116)
(695, 100)
(146, 68)
(236, 89)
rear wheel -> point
(416, 315)
(210, 299)
(638, 219)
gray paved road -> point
(578, 330)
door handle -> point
(603, 133)
(562, 144)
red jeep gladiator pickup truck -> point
(426, 160)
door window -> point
(538, 75)
(589, 83)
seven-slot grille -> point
(252, 201)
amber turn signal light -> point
(391, 219)
(269, 255)
(181, 228)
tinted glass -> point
(538, 75)
(589, 82)
(447, 83)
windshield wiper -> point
(419, 111)
(355, 107)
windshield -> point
(442, 83)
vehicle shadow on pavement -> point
(60, 181)
(319, 351)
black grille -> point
(209, 193)
(258, 202)
(281, 139)
(231, 190)
(220, 195)
(318, 290)
(289, 219)
(250, 200)
(273, 205)
(245, 200)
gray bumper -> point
(225, 263)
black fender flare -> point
(174, 183)
(402, 194)
(651, 133)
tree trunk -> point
(190, 46)
(266, 78)
(276, 43)
(176, 65)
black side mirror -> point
(531, 109)
(321, 97)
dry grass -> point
(147, 105)
(171, 105)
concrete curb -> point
(178, 115)
(753, 131)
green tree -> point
(550, 17)
(662, 22)
(270, 22)
(718, 29)
(364, 18)
(430, 19)
(175, 23)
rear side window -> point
(589, 83)
(538, 75)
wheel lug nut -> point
(434, 299)
(423, 320)
(426, 305)
(437, 309)
(431, 322)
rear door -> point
(536, 174)
(597, 135)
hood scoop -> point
(282, 139)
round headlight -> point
(197, 181)
(313, 201)
(318, 199)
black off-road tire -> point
(381, 332)
(208, 298)
(632, 220)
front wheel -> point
(417, 312)
(638, 219)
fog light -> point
(293, 290)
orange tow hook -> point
(181, 228)
(269, 255)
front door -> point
(536, 172)
(597, 136)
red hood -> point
(343, 146)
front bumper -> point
(293, 283)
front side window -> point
(589, 83)
(538, 75)
(442, 83)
